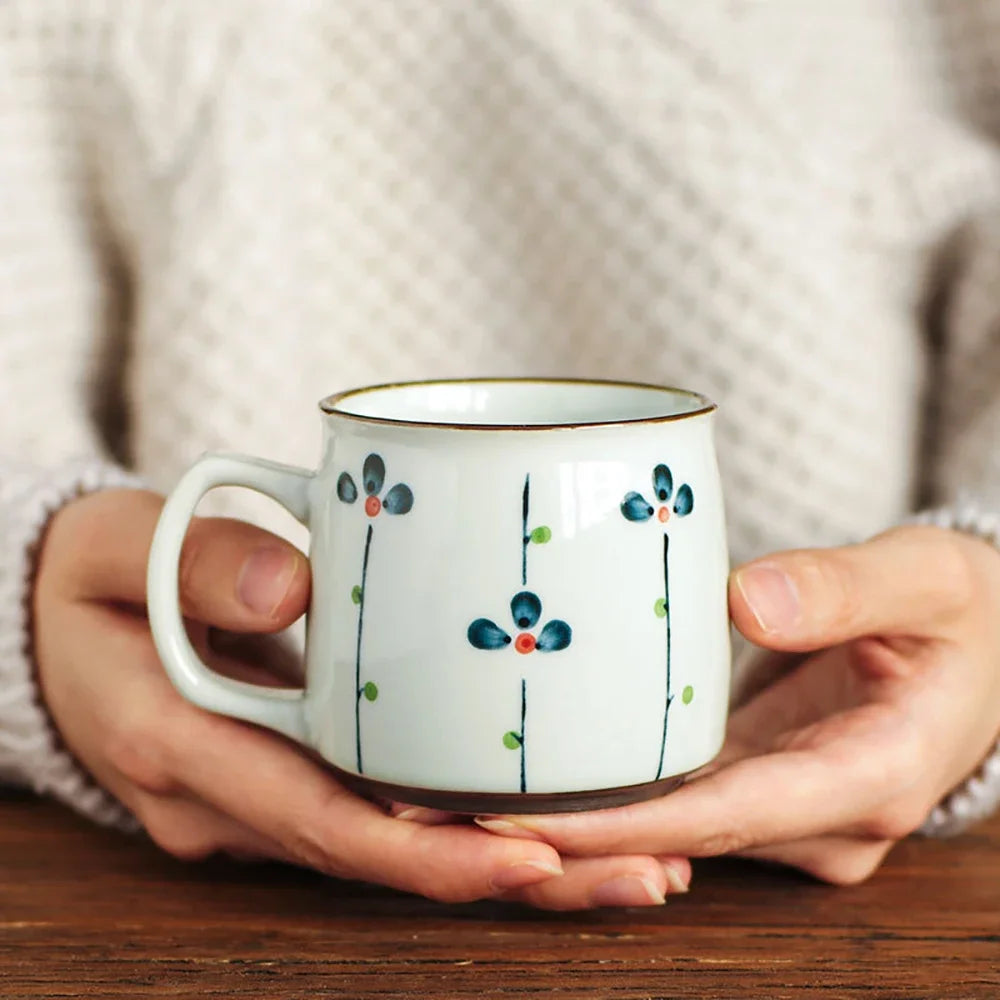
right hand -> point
(202, 783)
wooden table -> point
(87, 913)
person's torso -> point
(728, 197)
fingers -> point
(589, 883)
(169, 749)
(141, 739)
(910, 581)
(191, 830)
(267, 785)
(232, 575)
(236, 576)
(849, 771)
(203, 784)
(422, 814)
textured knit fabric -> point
(29, 749)
(978, 797)
(212, 214)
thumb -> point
(233, 575)
(908, 581)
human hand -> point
(202, 783)
(830, 765)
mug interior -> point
(503, 403)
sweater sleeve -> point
(30, 751)
(63, 340)
(979, 796)
(963, 476)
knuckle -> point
(82, 525)
(72, 533)
(315, 855)
(895, 821)
(834, 579)
(179, 838)
(313, 842)
(954, 571)
(845, 868)
(728, 841)
(420, 870)
(898, 776)
(135, 752)
(906, 756)
(949, 554)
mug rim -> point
(329, 404)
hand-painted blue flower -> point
(635, 507)
(397, 500)
(526, 610)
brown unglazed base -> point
(492, 803)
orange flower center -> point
(664, 514)
(525, 642)
(372, 506)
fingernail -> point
(772, 597)
(412, 813)
(674, 880)
(421, 814)
(627, 890)
(522, 874)
(265, 579)
(506, 828)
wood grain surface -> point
(89, 913)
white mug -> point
(518, 599)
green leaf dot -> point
(370, 690)
(541, 534)
(687, 694)
(356, 594)
(511, 740)
(660, 608)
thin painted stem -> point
(357, 660)
(525, 537)
(668, 697)
(524, 703)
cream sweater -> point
(212, 214)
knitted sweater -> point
(213, 214)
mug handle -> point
(276, 708)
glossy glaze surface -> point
(496, 610)
(499, 514)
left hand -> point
(202, 783)
(838, 759)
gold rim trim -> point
(330, 403)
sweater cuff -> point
(31, 752)
(979, 796)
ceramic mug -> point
(518, 599)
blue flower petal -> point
(399, 499)
(373, 474)
(663, 483)
(555, 636)
(346, 489)
(484, 634)
(526, 609)
(684, 503)
(636, 508)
